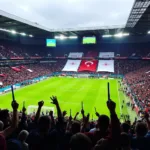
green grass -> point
(70, 92)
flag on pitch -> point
(105, 66)
(88, 65)
(72, 65)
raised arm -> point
(85, 124)
(52, 118)
(59, 113)
(37, 116)
(75, 117)
(14, 124)
(115, 124)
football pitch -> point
(70, 92)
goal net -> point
(83, 75)
(33, 108)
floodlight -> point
(56, 37)
(62, 37)
(125, 34)
(23, 34)
(13, 32)
(119, 35)
(148, 32)
(106, 36)
(30, 35)
(72, 37)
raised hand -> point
(54, 100)
(64, 113)
(51, 113)
(14, 105)
(97, 114)
(70, 118)
(40, 103)
(77, 113)
(82, 111)
(111, 106)
(23, 109)
(88, 116)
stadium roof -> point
(138, 23)
(139, 18)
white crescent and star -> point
(89, 63)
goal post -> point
(33, 108)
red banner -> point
(15, 69)
(22, 67)
(88, 65)
(2, 75)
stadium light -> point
(148, 32)
(13, 32)
(30, 35)
(23, 34)
(4, 30)
(72, 37)
(56, 37)
(119, 35)
(126, 34)
(106, 36)
(62, 37)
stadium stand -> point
(139, 82)
(9, 76)
(26, 58)
(65, 133)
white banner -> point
(75, 55)
(106, 54)
(72, 65)
(105, 66)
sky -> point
(61, 14)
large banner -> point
(75, 55)
(88, 65)
(15, 69)
(72, 65)
(106, 54)
(105, 66)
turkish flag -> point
(88, 65)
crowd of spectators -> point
(127, 66)
(10, 76)
(139, 82)
(20, 131)
(13, 51)
(16, 50)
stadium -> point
(69, 82)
